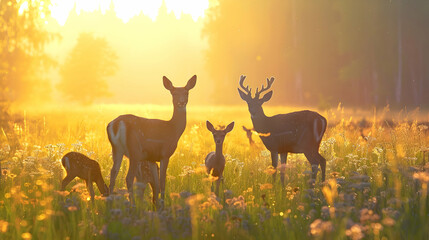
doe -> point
(79, 165)
(215, 161)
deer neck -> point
(179, 120)
(218, 152)
(259, 119)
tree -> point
(86, 68)
(291, 40)
(23, 38)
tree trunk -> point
(398, 91)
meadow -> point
(376, 186)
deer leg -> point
(217, 186)
(66, 181)
(117, 160)
(141, 180)
(101, 186)
(90, 188)
(132, 172)
(275, 161)
(314, 161)
(283, 160)
(162, 176)
(322, 162)
(154, 183)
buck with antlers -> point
(215, 161)
(153, 140)
(296, 132)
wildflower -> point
(270, 170)
(335, 174)
(26, 235)
(376, 227)
(368, 215)
(330, 191)
(5, 172)
(266, 186)
(41, 217)
(174, 196)
(355, 232)
(72, 208)
(194, 199)
(237, 202)
(186, 170)
(319, 227)
(210, 178)
(3, 226)
(388, 222)
(423, 177)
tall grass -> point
(376, 184)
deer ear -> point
(229, 127)
(210, 126)
(191, 83)
(243, 96)
(267, 96)
(167, 83)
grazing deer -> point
(154, 140)
(215, 161)
(79, 165)
(249, 134)
(296, 132)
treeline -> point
(361, 53)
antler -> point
(269, 83)
(248, 91)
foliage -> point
(376, 184)
(22, 57)
(86, 68)
(361, 53)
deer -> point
(144, 139)
(79, 165)
(215, 161)
(249, 134)
(147, 175)
(295, 132)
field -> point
(376, 188)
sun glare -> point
(126, 9)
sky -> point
(151, 38)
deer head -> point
(180, 94)
(219, 135)
(255, 104)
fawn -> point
(215, 161)
(249, 135)
(148, 172)
(79, 165)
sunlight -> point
(126, 9)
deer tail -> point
(66, 162)
(111, 134)
(319, 128)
